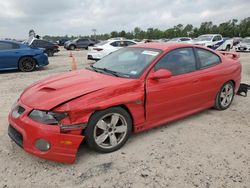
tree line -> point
(231, 28)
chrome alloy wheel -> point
(110, 130)
(226, 95)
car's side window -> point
(129, 43)
(217, 38)
(184, 39)
(178, 61)
(122, 44)
(207, 58)
(114, 44)
(7, 46)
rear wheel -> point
(27, 64)
(72, 47)
(225, 96)
(108, 130)
(228, 48)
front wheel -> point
(225, 96)
(108, 130)
(27, 64)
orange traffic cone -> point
(73, 64)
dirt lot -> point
(209, 149)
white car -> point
(104, 48)
(214, 41)
(244, 45)
(181, 39)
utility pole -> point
(94, 31)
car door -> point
(177, 96)
(211, 76)
(9, 55)
(82, 43)
(217, 41)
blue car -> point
(14, 55)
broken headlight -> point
(47, 117)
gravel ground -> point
(209, 149)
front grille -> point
(15, 136)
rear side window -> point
(8, 46)
(207, 58)
(178, 61)
(184, 39)
(129, 43)
(83, 40)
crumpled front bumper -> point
(25, 132)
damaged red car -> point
(130, 90)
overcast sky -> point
(79, 17)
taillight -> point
(98, 49)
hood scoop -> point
(47, 89)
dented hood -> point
(52, 91)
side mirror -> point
(160, 74)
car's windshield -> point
(128, 62)
(246, 40)
(204, 38)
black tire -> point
(92, 130)
(228, 48)
(72, 47)
(219, 104)
(27, 64)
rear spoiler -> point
(232, 55)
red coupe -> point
(130, 90)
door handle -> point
(195, 81)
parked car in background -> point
(62, 41)
(79, 43)
(104, 48)
(214, 41)
(14, 55)
(49, 48)
(236, 40)
(181, 39)
(244, 45)
(131, 90)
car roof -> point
(211, 35)
(114, 40)
(162, 46)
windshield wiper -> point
(108, 71)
